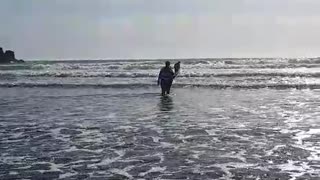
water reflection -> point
(166, 104)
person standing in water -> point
(176, 68)
(165, 78)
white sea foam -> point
(275, 148)
(113, 117)
(57, 135)
(74, 148)
(13, 173)
(296, 169)
(153, 169)
(155, 139)
(121, 172)
(67, 175)
(108, 161)
(211, 132)
(53, 167)
(11, 159)
(225, 167)
(239, 155)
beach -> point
(225, 119)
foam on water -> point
(314, 148)
(121, 172)
(67, 175)
(153, 169)
(301, 138)
(56, 134)
(216, 73)
(197, 133)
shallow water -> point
(133, 133)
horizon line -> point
(188, 58)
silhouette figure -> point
(176, 68)
(165, 78)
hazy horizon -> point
(150, 29)
(168, 58)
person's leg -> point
(163, 88)
(169, 87)
(163, 92)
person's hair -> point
(167, 63)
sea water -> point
(225, 119)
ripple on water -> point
(228, 135)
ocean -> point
(224, 119)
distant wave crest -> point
(154, 75)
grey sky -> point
(100, 29)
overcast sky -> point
(105, 29)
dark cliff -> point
(8, 57)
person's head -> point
(167, 63)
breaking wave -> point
(208, 73)
(156, 64)
(150, 75)
(153, 75)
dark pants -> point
(165, 86)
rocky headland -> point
(8, 57)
